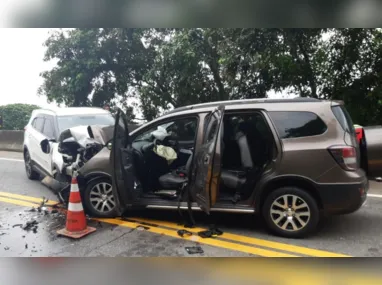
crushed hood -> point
(88, 134)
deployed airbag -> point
(166, 152)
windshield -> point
(67, 122)
(148, 135)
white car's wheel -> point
(31, 174)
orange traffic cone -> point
(76, 226)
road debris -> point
(194, 249)
(212, 232)
(183, 233)
(31, 225)
(142, 228)
(7, 248)
(42, 205)
(17, 225)
(26, 246)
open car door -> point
(122, 166)
(204, 184)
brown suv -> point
(290, 160)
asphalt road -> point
(356, 234)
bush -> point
(16, 116)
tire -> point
(31, 174)
(288, 221)
(103, 187)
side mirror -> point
(45, 146)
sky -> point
(21, 61)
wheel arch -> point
(301, 182)
(25, 149)
(96, 175)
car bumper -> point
(340, 199)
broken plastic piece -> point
(194, 249)
(213, 232)
(183, 233)
(142, 228)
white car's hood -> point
(89, 134)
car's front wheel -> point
(99, 199)
(291, 212)
(31, 174)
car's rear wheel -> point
(291, 212)
(31, 173)
(99, 199)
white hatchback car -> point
(49, 124)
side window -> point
(48, 128)
(248, 140)
(292, 124)
(182, 129)
(38, 124)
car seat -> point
(174, 180)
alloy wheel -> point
(101, 197)
(290, 212)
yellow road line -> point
(17, 202)
(212, 242)
(253, 241)
(26, 198)
(171, 233)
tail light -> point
(345, 156)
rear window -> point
(292, 124)
(67, 122)
(344, 118)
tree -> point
(95, 66)
(163, 69)
(16, 116)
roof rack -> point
(245, 101)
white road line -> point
(11, 159)
(374, 195)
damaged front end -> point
(77, 147)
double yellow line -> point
(228, 241)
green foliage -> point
(16, 116)
(169, 68)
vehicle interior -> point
(247, 147)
